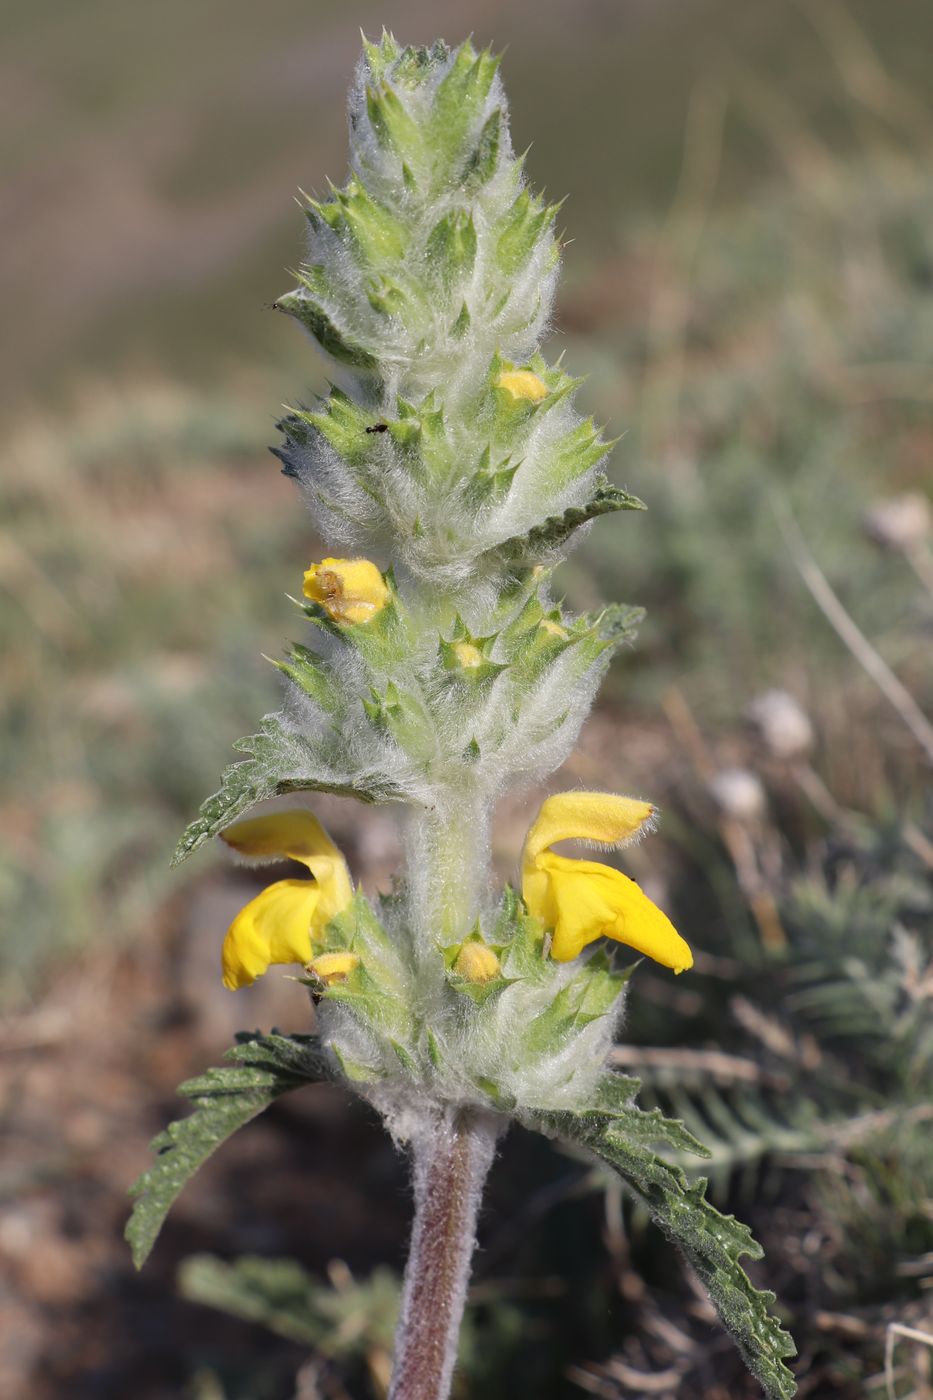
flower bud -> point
(523, 384)
(349, 590)
(468, 655)
(333, 967)
(476, 962)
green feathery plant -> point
(817, 1097)
(451, 452)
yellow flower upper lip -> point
(603, 818)
(277, 926)
(582, 900)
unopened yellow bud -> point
(553, 629)
(523, 384)
(468, 655)
(476, 962)
(333, 967)
(349, 590)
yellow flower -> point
(278, 926)
(523, 384)
(582, 900)
(349, 590)
(476, 962)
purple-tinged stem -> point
(452, 1152)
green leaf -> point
(394, 126)
(522, 550)
(592, 993)
(280, 762)
(379, 56)
(713, 1243)
(459, 101)
(225, 1099)
(332, 340)
(619, 623)
(340, 421)
(314, 675)
(277, 1293)
(380, 237)
(518, 232)
(451, 246)
(523, 938)
(481, 162)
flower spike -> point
(452, 455)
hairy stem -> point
(448, 868)
(452, 1152)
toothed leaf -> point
(263, 1068)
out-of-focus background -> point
(748, 284)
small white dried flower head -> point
(782, 724)
(899, 522)
(738, 793)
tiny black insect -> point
(378, 428)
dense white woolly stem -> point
(448, 868)
(452, 1152)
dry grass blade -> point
(897, 694)
(898, 1332)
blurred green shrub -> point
(780, 353)
(118, 694)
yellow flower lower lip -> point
(275, 927)
(582, 900)
(279, 925)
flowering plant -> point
(449, 466)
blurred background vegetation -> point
(749, 286)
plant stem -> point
(452, 1151)
(448, 867)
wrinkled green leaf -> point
(713, 1243)
(330, 338)
(281, 762)
(557, 529)
(225, 1099)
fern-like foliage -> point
(283, 1296)
(813, 1091)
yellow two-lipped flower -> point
(582, 900)
(280, 924)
